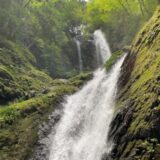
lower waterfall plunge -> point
(82, 131)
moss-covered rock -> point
(113, 59)
(135, 128)
(19, 122)
(80, 79)
(19, 76)
(27, 97)
(5, 74)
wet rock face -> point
(139, 144)
(119, 126)
(88, 54)
(121, 122)
(127, 69)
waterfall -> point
(103, 52)
(78, 43)
(83, 129)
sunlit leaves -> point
(120, 19)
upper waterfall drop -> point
(103, 51)
(82, 131)
(80, 61)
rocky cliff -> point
(135, 128)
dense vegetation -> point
(20, 121)
(47, 28)
(119, 19)
(37, 46)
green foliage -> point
(19, 78)
(79, 80)
(53, 35)
(5, 74)
(46, 28)
(8, 115)
(14, 111)
(117, 18)
(19, 110)
(20, 121)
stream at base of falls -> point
(84, 118)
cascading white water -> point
(78, 43)
(102, 47)
(82, 131)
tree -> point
(117, 18)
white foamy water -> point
(78, 43)
(102, 47)
(83, 129)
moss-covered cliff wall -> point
(27, 97)
(21, 121)
(135, 128)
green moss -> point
(142, 89)
(115, 56)
(17, 141)
(28, 96)
(19, 122)
(126, 151)
(80, 79)
(5, 74)
(19, 77)
(9, 114)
